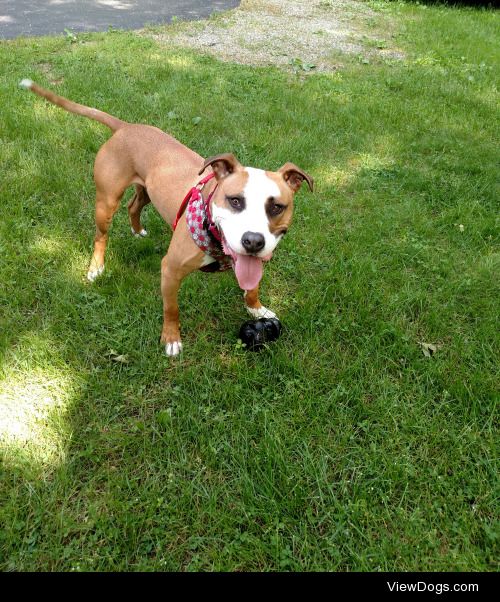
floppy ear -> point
(294, 176)
(223, 165)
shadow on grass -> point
(224, 459)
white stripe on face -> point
(253, 218)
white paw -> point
(261, 312)
(172, 349)
(92, 275)
(140, 234)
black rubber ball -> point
(255, 333)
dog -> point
(234, 217)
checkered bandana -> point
(200, 228)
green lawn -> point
(342, 446)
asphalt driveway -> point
(41, 17)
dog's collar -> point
(195, 193)
(212, 228)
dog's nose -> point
(253, 242)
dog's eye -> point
(236, 202)
(276, 209)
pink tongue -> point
(248, 270)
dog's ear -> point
(294, 176)
(223, 165)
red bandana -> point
(203, 231)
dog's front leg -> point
(255, 307)
(170, 284)
(182, 258)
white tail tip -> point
(26, 83)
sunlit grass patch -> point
(34, 402)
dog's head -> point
(253, 210)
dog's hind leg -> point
(112, 175)
(105, 207)
(135, 206)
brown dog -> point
(237, 217)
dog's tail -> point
(112, 122)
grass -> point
(342, 446)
